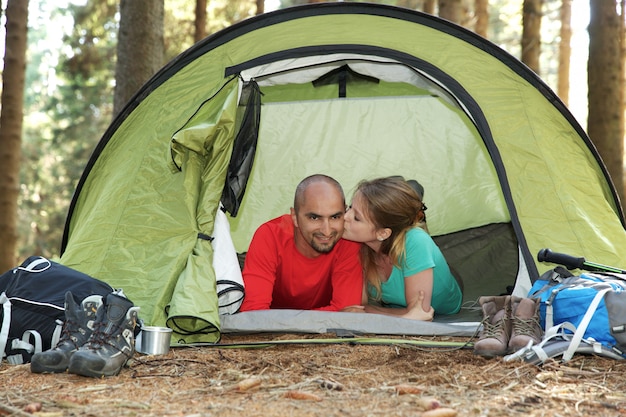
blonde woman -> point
(405, 273)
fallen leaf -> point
(301, 395)
(247, 384)
(440, 412)
(408, 389)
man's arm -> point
(347, 277)
(414, 311)
(259, 272)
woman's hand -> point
(416, 310)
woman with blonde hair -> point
(405, 273)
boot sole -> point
(41, 369)
(490, 353)
(83, 366)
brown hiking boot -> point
(494, 337)
(525, 323)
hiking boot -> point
(496, 331)
(525, 323)
(77, 328)
(112, 342)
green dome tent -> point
(354, 91)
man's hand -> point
(353, 309)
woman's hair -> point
(389, 202)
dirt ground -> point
(343, 379)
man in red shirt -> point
(299, 261)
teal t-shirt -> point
(422, 253)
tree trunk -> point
(200, 22)
(409, 4)
(531, 33)
(260, 7)
(140, 47)
(451, 10)
(429, 6)
(481, 9)
(565, 50)
(11, 117)
(605, 124)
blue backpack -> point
(585, 313)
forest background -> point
(72, 60)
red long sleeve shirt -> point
(277, 276)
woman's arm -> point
(416, 283)
(418, 292)
(416, 313)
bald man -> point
(299, 261)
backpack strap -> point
(26, 346)
(549, 307)
(584, 323)
(38, 346)
(544, 350)
(6, 323)
(56, 335)
(31, 267)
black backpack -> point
(32, 299)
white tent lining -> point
(307, 69)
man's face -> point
(319, 220)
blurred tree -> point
(73, 108)
(183, 25)
(531, 33)
(139, 48)
(69, 97)
(481, 11)
(429, 6)
(605, 124)
(565, 50)
(451, 10)
(200, 22)
(11, 117)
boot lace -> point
(70, 327)
(492, 330)
(526, 327)
(100, 338)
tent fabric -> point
(354, 91)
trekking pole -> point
(572, 262)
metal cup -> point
(154, 340)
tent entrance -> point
(420, 137)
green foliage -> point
(180, 17)
(69, 100)
(69, 106)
